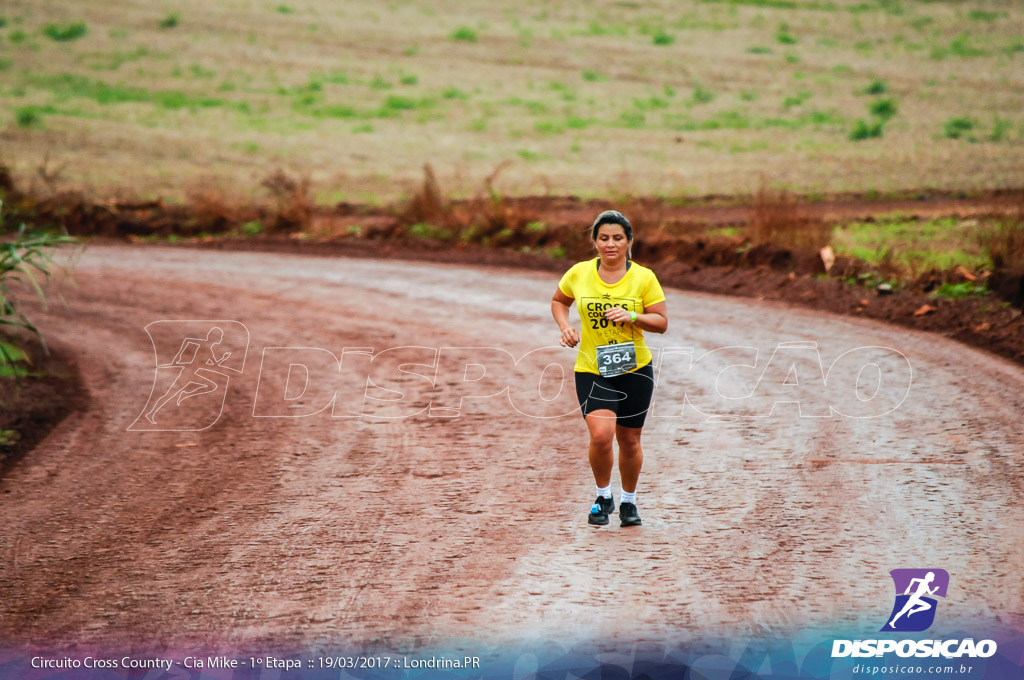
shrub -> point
(28, 117)
(955, 291)
(877, 87)
(465, 34)
(864, 130)
(24, 258)
(170, 21)
(662, 38)
(999, 129)
(956, 128)
(399, 103)
(777, 219)
(1002, 241)
(66, 33)
(784, 36)
(883, 108)
(702, 96)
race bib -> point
(616, 359)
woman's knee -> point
(602, 434)
(629, 441)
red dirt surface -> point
(257, 534)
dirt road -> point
(416, 524)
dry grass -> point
(779, 220)
(1003, 239)
(358, 96)
(293, 204)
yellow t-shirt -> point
(634, 292)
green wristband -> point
(634, 316)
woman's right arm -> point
(560, 304)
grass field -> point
(605, 98)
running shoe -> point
(628, 516)
(600, 510)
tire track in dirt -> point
(419, 531)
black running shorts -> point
(627, 395)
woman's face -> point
(611, 241)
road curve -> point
(792, 459)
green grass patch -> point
(423, 230)
(632, 119)
(701, 95)
(876, 87)
(914, 246)
(721, 120)
(650, 103)
(770, 4)
(116, 59)
(198, 71)
(285, 9)
(549, 127)
(959, 47)
(409, 79)
(758, 49)
(396, 102)
(1000, 130)
(662, 38)
(959, 128)
(594, 76)
(783, 35)
(66, 86)
(65, 32)
(596, 29)
(863, 129)
(453, 93)
(883, 108)
(531, 156)
(30, 116)
(8, 437)
(797, 99)
(982, 15)
(464, 34)
(170, 21)
(955, 291)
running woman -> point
(617, 300)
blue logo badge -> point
(914, 609)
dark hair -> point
(612, 217)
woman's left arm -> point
(654, 318)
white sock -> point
(605, 492)
(627, 497)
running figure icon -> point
(915, 603)
(191, 372)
